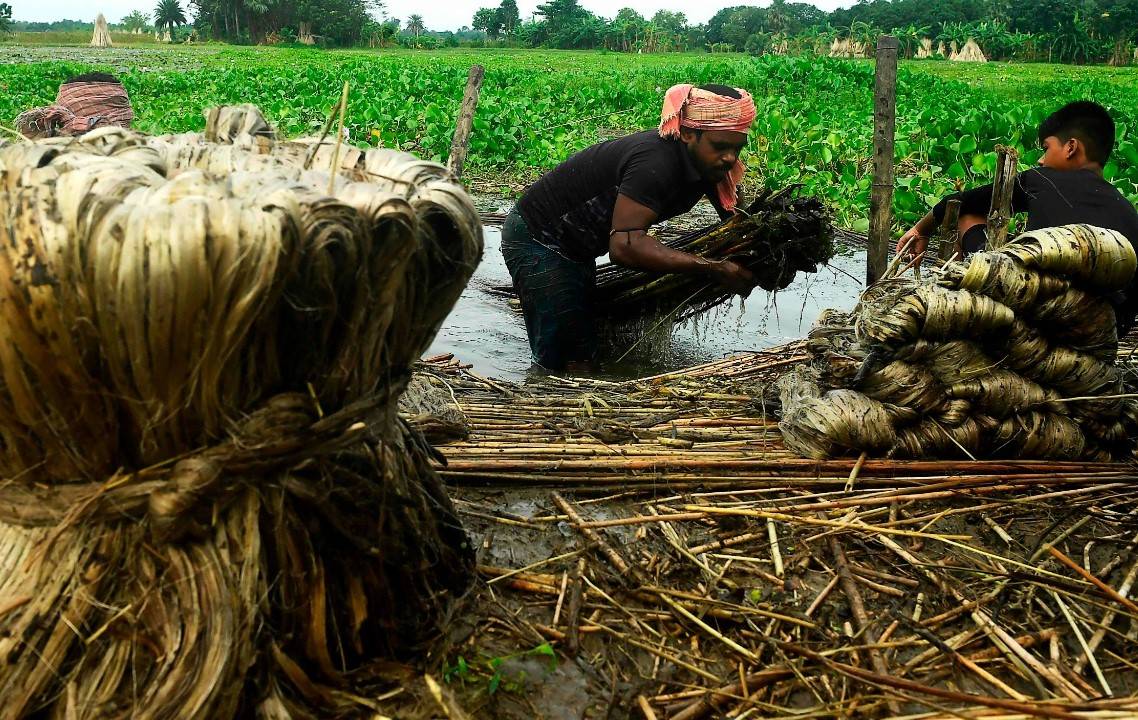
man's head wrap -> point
(79, 107)
(692, 107)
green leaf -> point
(967, 144)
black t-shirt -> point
(1053, 197)
(570, 208)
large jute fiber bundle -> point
(1009, 354)
(211, 508)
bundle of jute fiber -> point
(430, 407)
(211, 507)
(1008, 354)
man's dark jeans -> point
(556, 295)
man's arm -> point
(632, 246)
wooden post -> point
(1007, 163)
(884, 119)
(461, 143)
(949, 234)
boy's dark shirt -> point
(1053, 197)
(570, 208)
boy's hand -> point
(916, 244)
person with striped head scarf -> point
(605, 198)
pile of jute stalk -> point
(211, 508)
(1008, 354)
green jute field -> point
(814, 123)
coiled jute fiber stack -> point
(1008, 354)
(210, 508)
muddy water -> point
(484, 331)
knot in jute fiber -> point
(211, 508)
(1010, 353)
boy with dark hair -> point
(1067, 187)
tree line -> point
(1052, 30)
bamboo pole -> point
(950, 232)
(1007, 161)
(884, 120)
(460, 145)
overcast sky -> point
(437, 14)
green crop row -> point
(813, 128)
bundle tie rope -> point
(287, 429)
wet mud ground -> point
(667, 652)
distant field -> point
(74, 37)
(814, 124)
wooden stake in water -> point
(950, 231)
(884, 121)
(332, 171)
(1007, 161)
(460, 145)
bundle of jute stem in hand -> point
(776, 237)
(211, 508)
(1008, 354)
(779, 235)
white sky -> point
(437, 15)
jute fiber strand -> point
(211, 508)
(1008, 354)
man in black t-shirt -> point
(1067, 187)
(604, 198)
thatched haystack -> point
(925, 50)
(941, 50)
(101, 36)
(211, 509)
(167, 37)
(305, 36)
(847, 48)
(1011, 354)
(971, 52)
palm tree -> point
(168, 14)
(415, 25)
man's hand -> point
(916, 241)
(733, 276)
(632, 246)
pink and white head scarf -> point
(690, 107)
